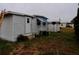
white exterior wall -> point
(63, 25)
(41, 27)
(35, 29)
(18, 25)
(72, 25)
(15, 25)
(12, 26)
(6, 29)
(21, 26)
(53, 28)
(58, 27)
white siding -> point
(53, 28)
(58, 27)
(6, 29)
(63, 25)
(34, 26)
(18, 25)
(41, 27)
(15, 25)
(44, 27)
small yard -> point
(60, 43)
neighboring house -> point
(15, 24)
(62, 25)
(41, 23)
(70, 25)
(67, 24)
(54, 26)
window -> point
(44, 23)
(53, 23)
(28, 20)
(38, 22)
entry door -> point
(28, 26)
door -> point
(28, 26)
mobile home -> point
(53, 26)
(41, 23)
(66, 24)
(15, 23)
(63, 25)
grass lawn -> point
(57, 43)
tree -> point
(76, 25)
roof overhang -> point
(17, 13)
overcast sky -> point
(54, 11)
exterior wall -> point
(18, 25)
(72, 25)
(14, 25)
(58, 27)
(42, 27)
(6, 28)
(63, 25)
(35, 29)
(53, 28)
(28, 26)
